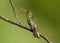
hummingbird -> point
(31, 23)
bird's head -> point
(27, 12)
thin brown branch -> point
(45, 38)
(24, 27)
(13, 8)
(15, 23)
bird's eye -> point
(27, 11)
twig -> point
(45, 38)
(15, 23)
(13, 8)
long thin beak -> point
(25, 11)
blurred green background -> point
(46, 14)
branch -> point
(45, 38)
(14, 11)
(15, 23)
(24, 27)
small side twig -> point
(14, 11)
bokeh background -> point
(46, 14)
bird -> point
(31, 23)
